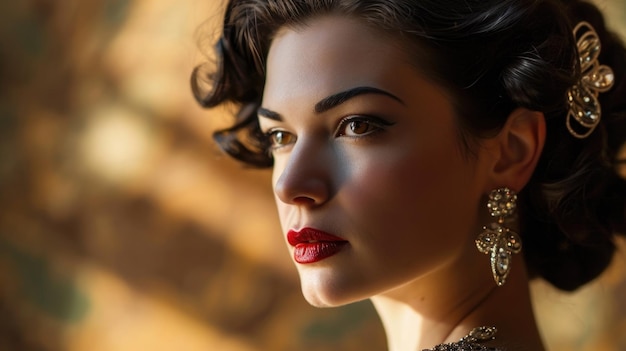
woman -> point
(432, 156)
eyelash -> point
(372, 122)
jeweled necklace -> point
(470, 342)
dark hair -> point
(492, 56)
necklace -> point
(470, 342)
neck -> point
(433, 310)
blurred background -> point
(122, 227)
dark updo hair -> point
(492, 56)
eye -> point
(356, 126)
(279, 138)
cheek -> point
(413, 195)
(407, 175)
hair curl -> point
(492, 56)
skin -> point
(387, 172)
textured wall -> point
(122, 227)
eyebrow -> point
(333, 101)
(263, 112)
(337, 99)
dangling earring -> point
(497, 240)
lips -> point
(313, 245)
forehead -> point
(329, 54)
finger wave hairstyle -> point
(492, 56)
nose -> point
(304, 176)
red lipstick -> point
(313, 245)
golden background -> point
(122, 227)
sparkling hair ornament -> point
(584, 107)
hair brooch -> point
(582, 98)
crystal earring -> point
(496, 240)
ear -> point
(518, 147)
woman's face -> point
(372, 186)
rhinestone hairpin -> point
(582, 98)
(497, 240)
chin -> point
(321, 300)
(316, 302)
(324, 294)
